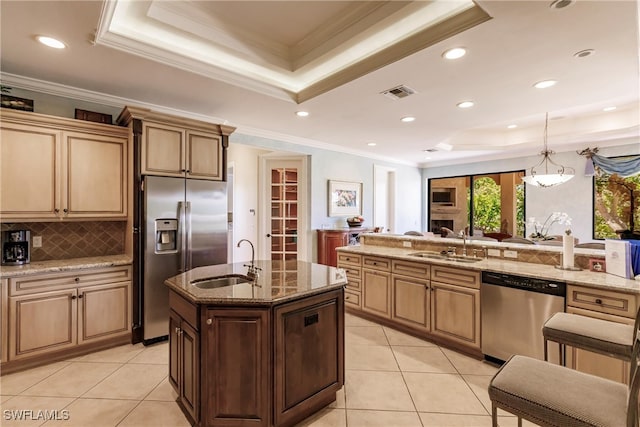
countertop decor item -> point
(541, 231)
(558, 175)
(355, 221)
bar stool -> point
(595, 335)
(551, 395)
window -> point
(616, 202)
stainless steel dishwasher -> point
(513, 310)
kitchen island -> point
(256, 350)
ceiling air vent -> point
(398, 92)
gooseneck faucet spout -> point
(252, 269)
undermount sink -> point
(220, 281)
(448, 257)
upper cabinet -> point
(174, 146)
(58, 168)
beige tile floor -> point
(392, 380)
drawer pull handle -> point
(347, 297)
(209, 321)
(598, 301)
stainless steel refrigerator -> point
(185, 226)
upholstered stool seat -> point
(552, 395)
(596, 335)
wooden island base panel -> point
(267, 353)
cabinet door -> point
(455, 313)
(174, 351)
(236, 368)
(204, 156)
(29, 171)
(598, 364)
(328, 241)
(104, 311)
(376, 292)
(95, 174)
(189, 374)
(411, 299)
(42, 322)
(163, 150)
(4, 320)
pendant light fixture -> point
(542, 177)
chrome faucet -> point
(252, 269)
(463, 234)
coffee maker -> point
(16, 247)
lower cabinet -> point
(411, 301)
(376, 292)
(607, 305)
(455, 313)
(51, 313)
(256, 365)
(184, 363)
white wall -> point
(574, 197)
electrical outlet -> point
(406, 244)
(510, 254)
(493, 252)
(37, 241)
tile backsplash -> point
(65, 240)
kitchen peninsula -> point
(256, 350)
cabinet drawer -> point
(349, 259)
(354, 284)
(353, 273)
(382, 264)
(58, 281)
(455, 276)
(611, 302)
(352, 298)
(412, 269)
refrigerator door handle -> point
(183, 234)
(189, 247)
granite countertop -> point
(277, 282)
(500, 265)
(54, 266)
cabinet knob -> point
(80, 296)
(209, 321)
(177, 331)
(347, 297)
(56, 210)
(73, 297)
(65, 210)
(77, 279)
(188, 170)
(598, 301)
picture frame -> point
(15, 103)
(345, 198)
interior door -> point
(285, 225)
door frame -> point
(264, 201)
(389, 200)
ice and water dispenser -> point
(166, 236)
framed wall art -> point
(345, 198)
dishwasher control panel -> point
(533, 284)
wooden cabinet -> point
(330, 239)
(352, 265)
(66, 168)
(309, 344)
(51, 313)
(411, 294)
(176, 146)
(455, 305)
(4, 320)
(376, 286)
(184, 354)
(607, 305)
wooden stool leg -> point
(546, 350)
(494, 415)
(560, 354)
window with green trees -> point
(616, 206)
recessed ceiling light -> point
(609, 108)
(51, 42)
(408, 119)
(584, 53)
(428, 158)
(302, 113)
(455, 53)
(371, 144)
(465, 104)
(512, 126)
(545, 84)
(561, 4)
